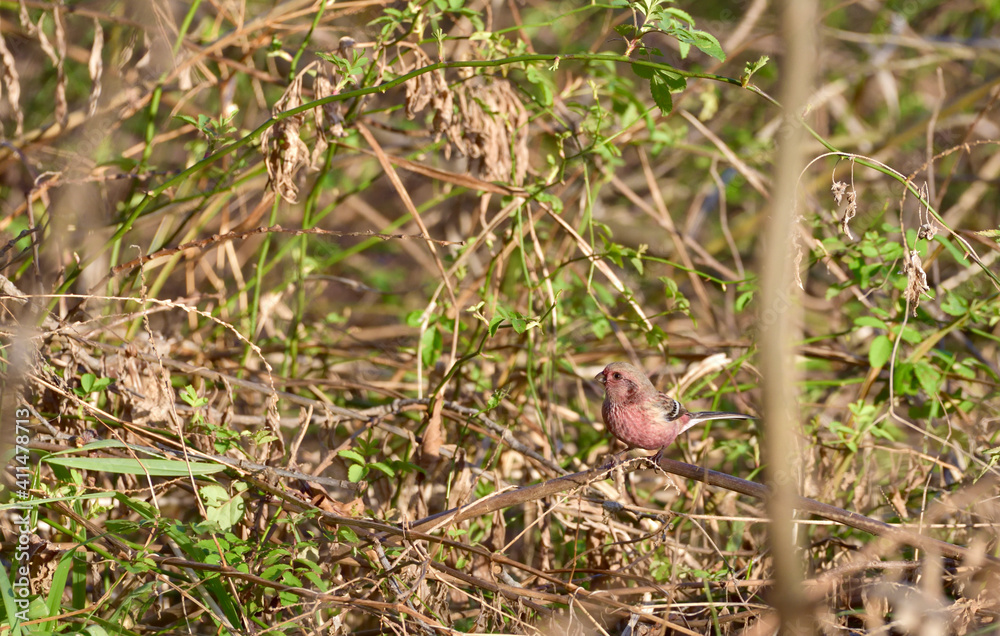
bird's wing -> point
(672, 409)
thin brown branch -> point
(756, 490)
(272, 229)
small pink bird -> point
(642, 417)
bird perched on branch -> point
(642, 417)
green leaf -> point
(670, 286)
(655, 336)
(520, 325)
(356, 472)
(600, 327)
(352, 455)
(966, 372)
(903, 379)
(145, 510)
(495, 325)
(555, 202)
(271, 572)
(878, 431)
(494, 400)
(59, 579)
(543, 82)
(190, 396)
(751, 68)
(7, 592)
(683, 15)
(879, 351)
(743, 300)
(891, 251)
(684, 48)
(660, 86)
(414, 317)
(675, 81)
(214, 495)
(347, 535)
(954, 305)
(431, 344)
(911, 335)
(704, 42)
(648, 52)
(384, 468)
(102, 443)
(226, 515)
(626, 30)
(614, 252)
(870, 321)
(636, 263)
(645, 72)
(139, 566)
(864, 413)
(124, 466)
(928, 377)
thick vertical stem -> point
(779, 319)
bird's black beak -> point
(600, 377)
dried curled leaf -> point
(329, 118)
(96, 67)
(849, 213)
(698, 370)
(432, 88)
(838, 189)
(916, 284)
(797, 262)
(57, 55)
(150, 393)
(13, 84)
(420, 89)
(284, 151)
(927, 231)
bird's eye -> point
(617, 376)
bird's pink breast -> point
(634, 426)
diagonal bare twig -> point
(522, 495)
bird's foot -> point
(655, 459)
(614, 461)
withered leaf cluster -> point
(840, 190)
(916, 278)
(285, 153)
(489, 126)
(482, 118)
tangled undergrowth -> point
(303, 302)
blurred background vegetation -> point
(384, 248)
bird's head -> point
(622, 382)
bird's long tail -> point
(706, 416)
